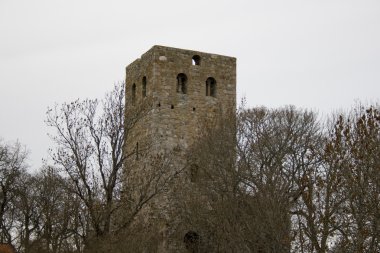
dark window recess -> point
(211, 87)
(144, 86)
(159, 105)
(137, 151)
(192, 241)
(133, 94)
(172, 107)
(182, 83)
(194, 171)
(193, 109)
(196, 60)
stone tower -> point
(186, 88)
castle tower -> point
(185, 89)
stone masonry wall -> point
(176, 119)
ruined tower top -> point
(186, 86)
(191, 72)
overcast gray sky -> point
(321, 54)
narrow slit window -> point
(144, 87)
(137, 151)
(133, 94)
(182, 83)
(211, 87)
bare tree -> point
(27, 215)
(90, 136)
(12, 165)
(276, 149)
(356, 149)
(89, 150)
(251, 182)
(338, 210)
(320, 204)
(58, 212)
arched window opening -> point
(144, 87)
(211, 87)
(196, 60)
(181, 83)
(192, 241)
(133, 94)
